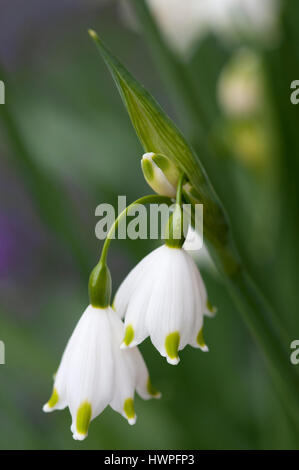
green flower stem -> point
(174, 234)
(100, 284)
(149, 199)
(179, 191)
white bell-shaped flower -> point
(95, 372)
(164, 297)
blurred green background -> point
(67, 145)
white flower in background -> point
(242, 97)
(234, 18)
(185, 22)
(164, 297)
(182, 22)
(240, 86)
(95, 372)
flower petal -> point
(144, 386)
(131, 283)
(91, 371)
(171, 307)
(125, 373)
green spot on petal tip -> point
(210, 307)
(152, 390)
(172, 343)
(129, 410)
(53, 399)
(129, 335)
(83, 418)
(200, 341)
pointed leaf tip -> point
(156, 132)
(93, 34)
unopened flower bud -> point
(160, 173)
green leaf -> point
(158, 134)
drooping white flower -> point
(95, 372)
(164, 297)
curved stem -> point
(149, 199)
